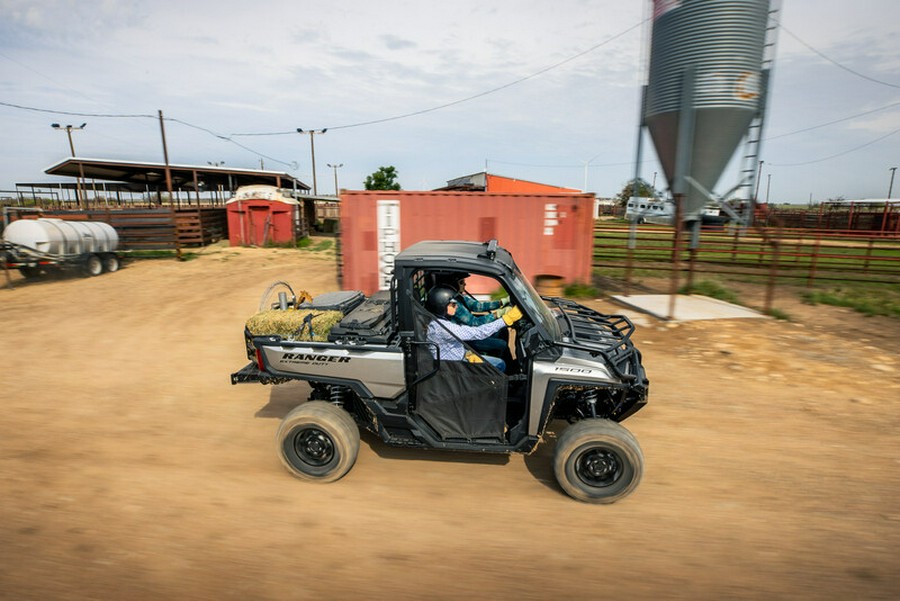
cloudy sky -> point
(544, 91)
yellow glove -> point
(512, 316)
(473, 358)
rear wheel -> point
(30, 272)
(110, 263)
(318, 441)
(93, 266)
(598, 461)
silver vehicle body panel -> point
(380, 371)
(573, 367)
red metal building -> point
(261, 215)
(488, 182)
(549, 234)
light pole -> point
(587, 164)
(891, 186)
(335, 167)
(312, 150)
(68, 129)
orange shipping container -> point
(548, 234)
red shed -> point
(548, 234)
(260, 215)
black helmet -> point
(438, 299)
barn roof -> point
(140, 175)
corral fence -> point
(165, 228)
(862, 217)
(874, 217)
(765, 255)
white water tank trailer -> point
(31, 245)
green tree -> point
(383, 179)
(644, 190)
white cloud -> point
(275, 66)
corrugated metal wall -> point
(258, 222)
(496, 183)
(548, 234)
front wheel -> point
(318, 441)
(598, 461)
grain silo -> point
(706, 91)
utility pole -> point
(893, 170)
(162, 129)
(79, 180)
(335, 167)
(312, 149)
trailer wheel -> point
(598, 461)
(93, 266)
(30, 272)
(110, 263)
(318, 441)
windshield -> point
(533, 303)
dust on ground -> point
(132, 469)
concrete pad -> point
(687, 307)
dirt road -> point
(132, 469)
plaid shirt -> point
(468, 305)
(447, 336)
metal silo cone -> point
(705, 87)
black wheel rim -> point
(313, 447)
(598, 467)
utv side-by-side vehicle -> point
(375, 369)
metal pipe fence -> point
(773, 255)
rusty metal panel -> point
(257, 222)
(548, 234)
(498, 183)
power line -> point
(836, 63)
(228, 139)
(54, 81)
(840, 154)
(74, 114)
(141, 116)
(806, 129)
(468, 98)
(569, 166)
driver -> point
(497, 344)
(447, 335)
(468, 305)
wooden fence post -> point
(868, 256)
(629, 256)
(676, 256)
(773, 271)
(815, 260)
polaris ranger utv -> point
(375, 369)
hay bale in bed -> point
(294, 324)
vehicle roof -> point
(453, 251)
